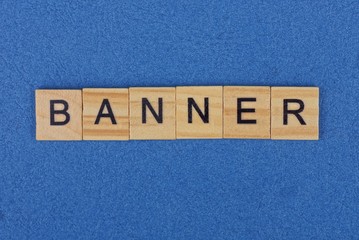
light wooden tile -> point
(65, 121)
(199, 128)
(109, 127)
(246, 112)
(146, 125)
(305, 126)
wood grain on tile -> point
(58, 115)
(105, 114)
(152, 113)
(295, 113)
(246, 112)
(199, 112)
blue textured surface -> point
(185, 189)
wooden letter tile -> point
(295, 113)
(58, 115)
(105, 114)
(246, 112)
(153, 113)
(199, 112)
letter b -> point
(64, 112)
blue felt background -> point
(185, 189)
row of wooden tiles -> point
(178, 113)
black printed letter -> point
(295, 112)
(192, 103)
(158, 117)
(105, 103)
(240, 110)
(63, 112)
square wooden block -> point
(58, 115)
(246, 112)
(199, 112)
(295, 113)
(152, 113)
(105, 114)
